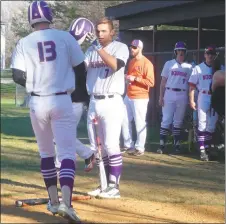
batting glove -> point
(92, 39)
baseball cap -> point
(137, 43)
(210, 49)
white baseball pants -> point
(82, 150)
(136, 109)
(109, 112)
(207, 117)
(52, 117)
(173, 111)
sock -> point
(163, 135)
(49, 174)
(201, 140)
(115, 169)
(106, 166)
(67, 175)
(177, 135)
(208, 139)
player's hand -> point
(161, 102)
(193, 105)
(130, 78)
(92, 39)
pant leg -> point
(167, 115)
(127, 124)
(81, 149)
(139, 108)
(181, 106)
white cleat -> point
(110, 192)
(53, 208)
(95, 193)
(68, 213)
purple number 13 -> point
(47, 47)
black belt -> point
(175, 89)
(56, 94)
(101, 97)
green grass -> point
(8, 90)
(6, 73)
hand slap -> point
(92, 39)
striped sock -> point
(106, 166)
(177, 135)
(49, 174)
(201, 140)
(163, 135)
(115, 168)
(67, 175)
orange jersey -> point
(143, 70)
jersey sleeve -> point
(18, 59)
(122, 53)
(194, 76)
(165, 70)
(77, 55)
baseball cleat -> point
(137, 153)
(96, 192)
(53, 208)
(68, 213)
(110, 192)
(177, 150)
(204, 156)
(89, 163)
(160, 149)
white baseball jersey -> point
(202, 76)
(48, 57)
(101, 79)
(177, 74)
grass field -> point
(154, 188)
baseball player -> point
(80, 99)
(174, 96)
(201, 79)
(140, 76)
(105, 60)
(44, 62)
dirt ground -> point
(154, 189)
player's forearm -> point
(108, 59)
(162, 90)
(191, 94)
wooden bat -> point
(41, 201)
(102, 174)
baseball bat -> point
(102, 174)
(41, 201)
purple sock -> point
(201, 139)
(115, 169)
(67, 174)
(49, 172)
(106, 166)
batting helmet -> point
(211, 49)
(80, 27)
(38, 12)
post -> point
(199, 39)
(154, 90)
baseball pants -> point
(135, 109)
(52, 117)
(82, 150)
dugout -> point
(206, 17)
